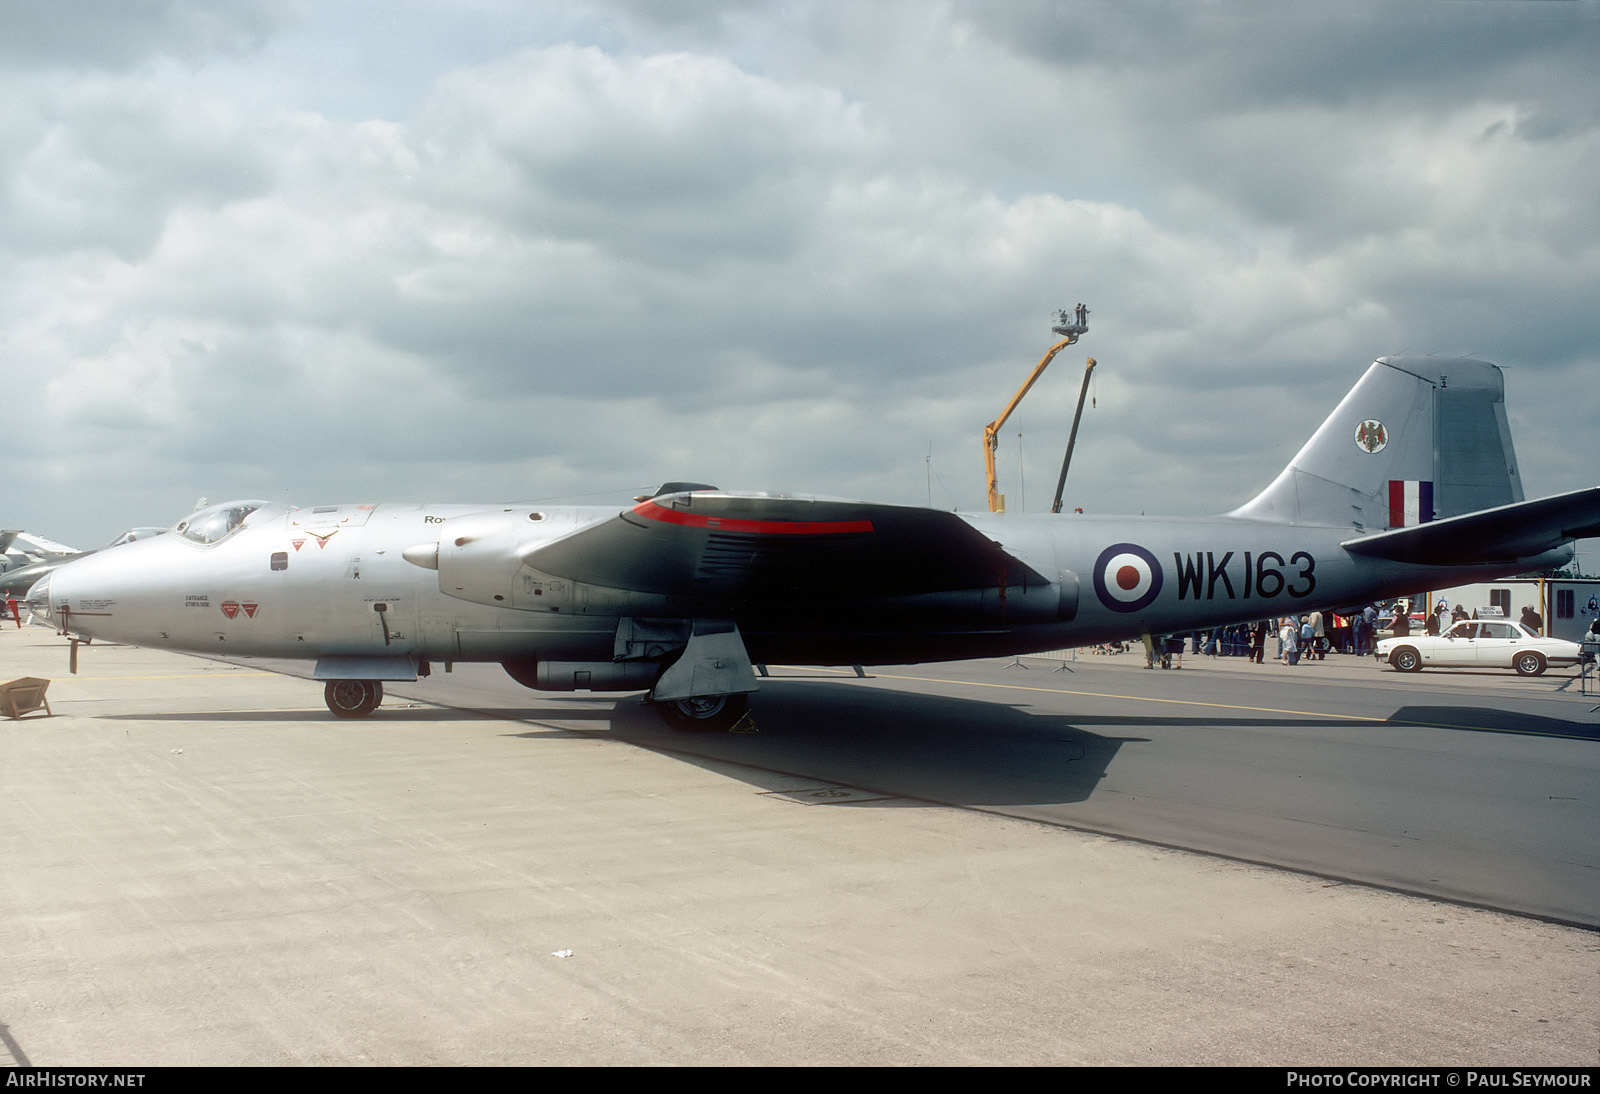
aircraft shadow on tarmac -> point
(1494, 720)
(1470, 719)
(960, 751)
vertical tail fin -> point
(1417, 439)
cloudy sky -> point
(485, 250)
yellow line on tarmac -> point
(1103, 695)
(1367, 719)
(1139, 698)
(170, 676)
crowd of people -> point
(1312, 636)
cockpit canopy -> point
(217, 523)
(134, 534)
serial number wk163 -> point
(1265, 575)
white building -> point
(1567, 604)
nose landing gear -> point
(353, 698)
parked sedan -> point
(1475, 643)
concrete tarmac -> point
(1479, 787)
(203, 867)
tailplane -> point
(1418, 439)
(1526, 530)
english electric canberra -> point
(1410, 484)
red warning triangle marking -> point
(250, 609)
(230, 609)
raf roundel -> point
(1127, 578)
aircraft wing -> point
(1505, 533)
(733, 547)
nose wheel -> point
(353, 698)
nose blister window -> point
(216, 523)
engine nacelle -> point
(480, 554)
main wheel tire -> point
(709, 713)
(353, 698)
(1529, 663)
(1406, 659)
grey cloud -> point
(669, 159)
(716, 249)
(120, 34)
(98, 163)
(1195, 57)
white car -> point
(1472, 643)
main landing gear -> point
(706, 713)
(353, 698)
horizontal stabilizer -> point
(1522, 529)
(730, 546)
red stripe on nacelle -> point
(651, 511)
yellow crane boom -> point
(991, 432)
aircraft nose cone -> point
(38, 602)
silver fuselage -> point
(332, 582)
